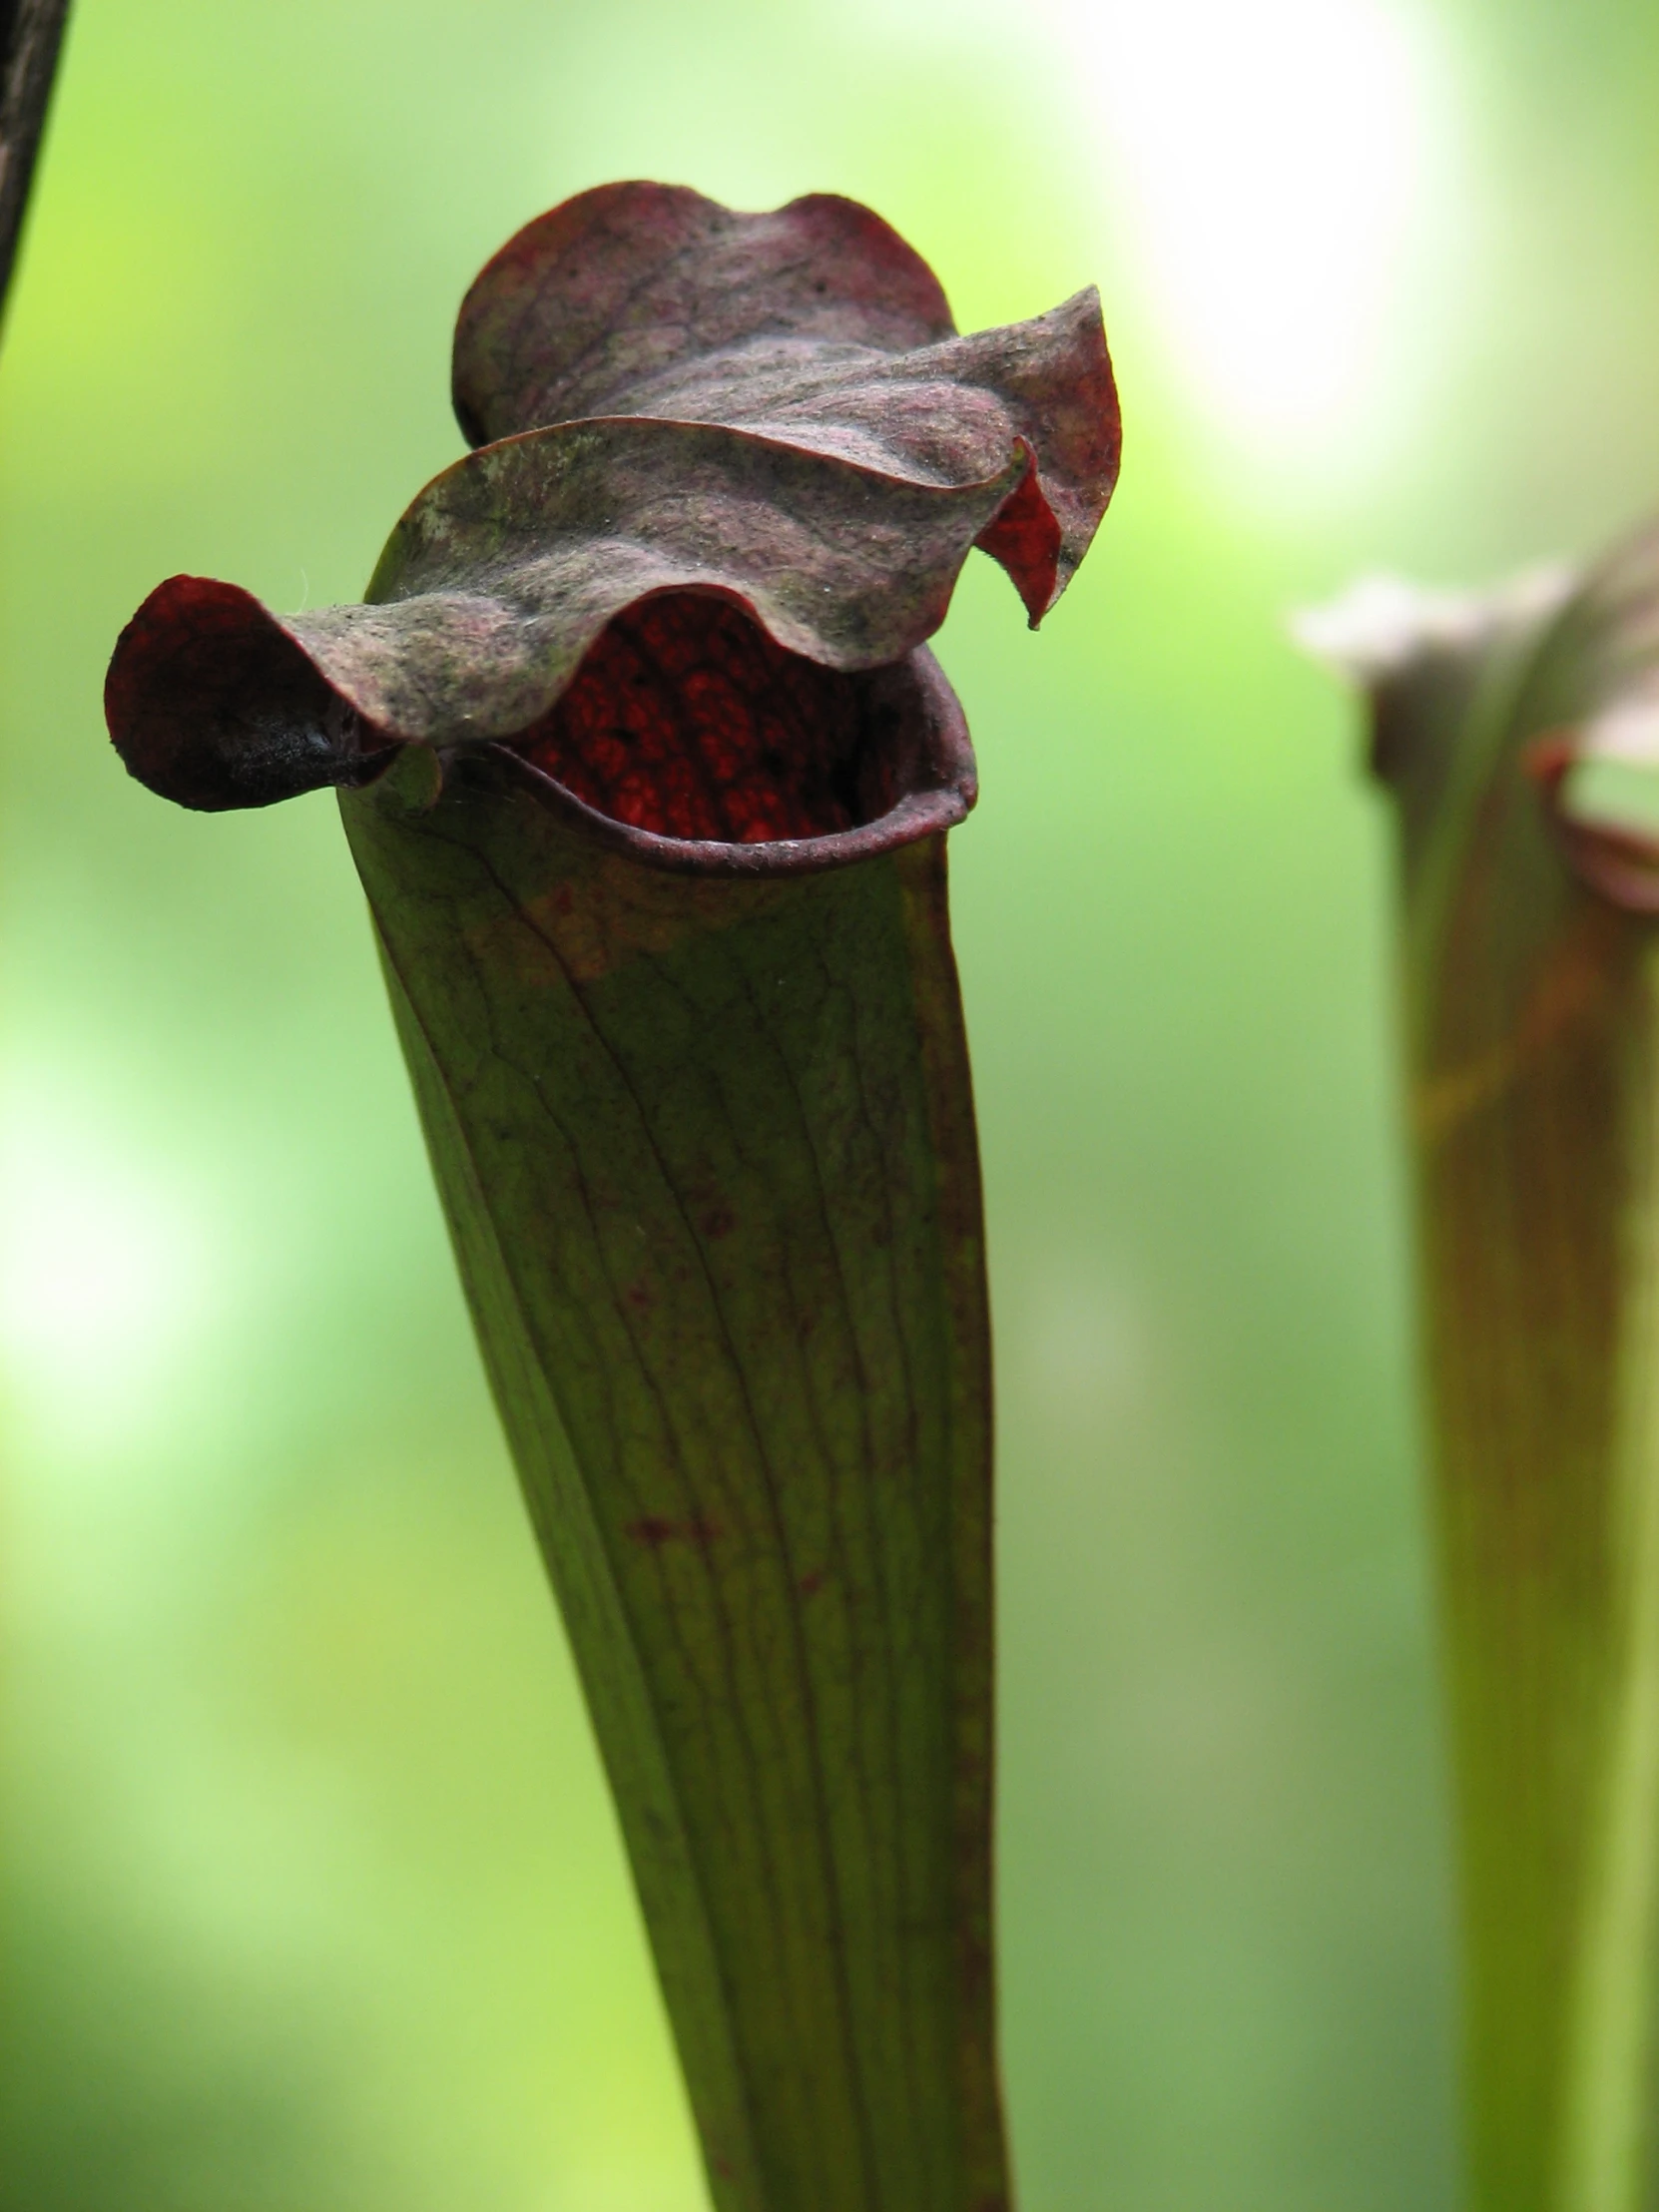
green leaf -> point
(1530, 983)
(706, 1151)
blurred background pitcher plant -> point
(1502, 726)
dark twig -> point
(31, 32)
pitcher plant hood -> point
(727, 469)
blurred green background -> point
(313, 1898)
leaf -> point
(817, 326)
(646, 769)
(1532, 1047)
(787, 457)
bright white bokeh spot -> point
(1286, 185)
(1284, 173)
(106, 1273)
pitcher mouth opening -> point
(686, 737)
(689, 738)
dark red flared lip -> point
(933, 761)
(213, 703)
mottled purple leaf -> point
(757, 409)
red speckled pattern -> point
(686, 720)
